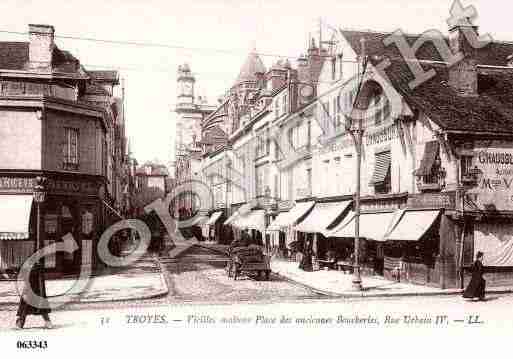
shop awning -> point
(213, 218)
(412, 225)
(286, 219)
(245, 208)
(252, 220)
(373, 226)
(199, 221)
(15, 216)
(322, 216)
(381, 168)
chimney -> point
(463, 75)
(41, 47)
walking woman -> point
(37, 284)
(476, 287)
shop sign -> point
(495, 186)
(382, 135)
(72, 187)
(445, 200)
(53, 186)
(19, 184)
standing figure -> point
(38, 305)
(306, 262)
(477, 285)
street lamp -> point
(39, 198)
(357, 135)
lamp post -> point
(357, 135)
(39, 198)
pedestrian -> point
(245, 238)
(306, 262)
(477, 285)
(34, 303)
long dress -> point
(477, 285)
(39, 304)
(306, 263)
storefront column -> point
(447, 254)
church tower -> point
(185, 90)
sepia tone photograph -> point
(255, 171)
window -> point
(333, 68)
(430, 171)
(381, 178)
(285, 104)
(326, 176)
(373, 107)
(276, 187)
(267, 141)
(70, 150)
(261, 145)
(340, 65)
(309, 180)
(276, 108)
(466, 166)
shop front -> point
(72, 209)
(320, 219)
(284, 237)
(212, 229)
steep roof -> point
(250, 68)
(493, 54)
(214, 135)
(15, 56)
(490, 111)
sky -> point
(217, 36)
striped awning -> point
(286, 219)
(214, 217)
(15, 216)
(252, 220)
(381, 168)
(374, 226)
(322, 216)
(244, 209)
(413, 225)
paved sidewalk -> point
(108, 288)
(339, 284)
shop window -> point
(284, 104)
(466, 168)
(381, 177)
(70, 160)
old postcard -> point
(305, 178)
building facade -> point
(434, 159)
(54, 124)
